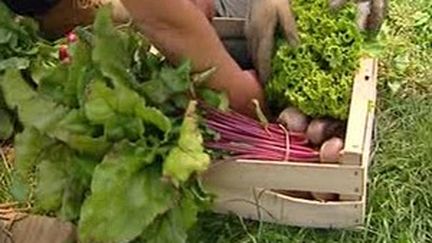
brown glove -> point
(261, 21)
(67, 14)
(370, 15)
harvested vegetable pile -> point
(103, 143)
(317, 76)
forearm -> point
(179, 30)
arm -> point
(179, 30)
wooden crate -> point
(245, 187)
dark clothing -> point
(30, 7)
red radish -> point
(322, 129)
(72, 37)
(294, 120)
(330, 151)
(64, 53)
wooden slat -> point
(39, 229)
(367, 137)
(286, 176)
(370, 117)
(276, 208)
(364, 84)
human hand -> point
(370, 13)
(206, 6)
(261, 21)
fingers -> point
(264, 55)
(287, 21)
(260, 26)
(363, 12)
(378, 11)
(370, 13)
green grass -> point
(400, 180)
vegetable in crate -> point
(244, 138)
(317, 76)
(103, 143)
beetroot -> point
(330, 151)
(322, 129)
(294, 120)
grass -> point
(400, 185)
(6, 158)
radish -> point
(71, 37)
(294, 120)
(330, 151)
(245, 138)
(64, 54)
(322, 129)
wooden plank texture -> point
(286, 176)
(367, 136)
(364, 84)
(276, 208)
(39, 229)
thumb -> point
(363, 12)
(378, 11)
(260, 25)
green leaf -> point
(127, 194)
(14, 62)
(173, 225)
(110, 47)
(111, 50)
(32, 110)
(177, 80)
(155, 117)
(62, 181)
(213, 98)
(29, 145)
(83, 144)
(188, 156)
(156, 91)
(6, 125)
(120, 127)
(99, 102)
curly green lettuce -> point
(317, 76)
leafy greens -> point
(317, 76)
(101, 144)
